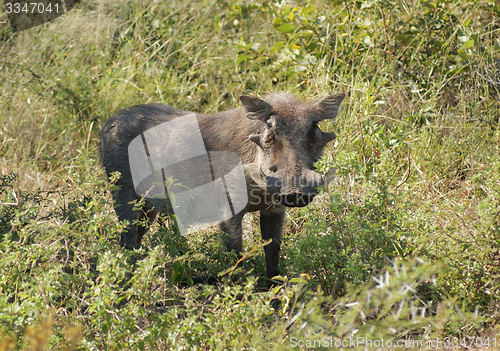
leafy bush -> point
(350, 242)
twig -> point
(408, 171)
(37, 76)
(248, 254)
(468, 229)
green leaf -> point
(307, 10)
(405, 38)
(286, 27)
(468, 44)
(475, 37)
(173, 251)
(399, 249)
(303, 34)
(496, 46)
(276, 47)
(241, 58)
(276, 289)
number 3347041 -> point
(32, 7)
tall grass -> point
(402, 245)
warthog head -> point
(290, 143)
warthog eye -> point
(269, 137)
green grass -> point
(403, 245)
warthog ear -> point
(329, 106)
(326, 138)
(256, 108)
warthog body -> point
(277, 139)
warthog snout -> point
(294, 191)
(296, 199)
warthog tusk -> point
(263, 176)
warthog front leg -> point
(131, 237)
(271, 225)
(233, 233)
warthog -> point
(277, 139)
